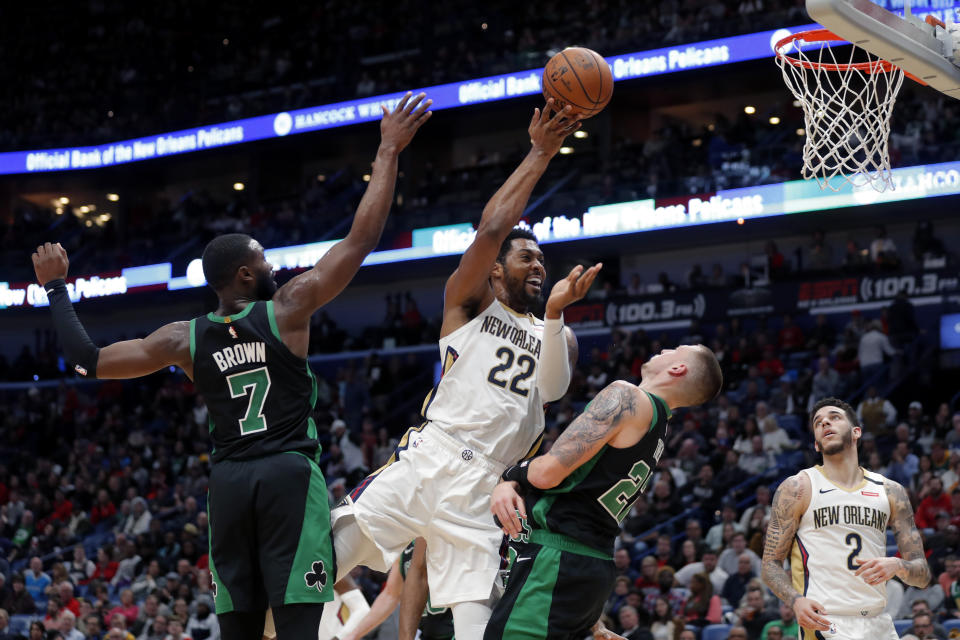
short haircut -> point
(507, 244)
(223, 256)
(706, 378)
(840, 404)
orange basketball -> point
(579, 77)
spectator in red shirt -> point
(790, 337)
(106, 566)
(770, 367)
(934, 502)
(104, 509)
(67, 601)
(62, 510)
(127, 608)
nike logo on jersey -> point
(522, 559)
(49, 291)
(826, 490)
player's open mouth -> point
(828, 433)
(536, 283)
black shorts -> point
(555, 590)
(270, 538)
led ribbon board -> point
(771, 200)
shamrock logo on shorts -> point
(317, 577)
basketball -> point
(579, 77)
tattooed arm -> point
(619, 407)
(789, 503)
(912, 566)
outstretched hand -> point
(50, 262)
(398, 127)
(547, 133)
(570, 289)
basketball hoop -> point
(846, 108)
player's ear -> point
(497, 270)
(678, 370)
(857, 433)
(245, 274)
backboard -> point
(927, 51)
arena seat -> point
(20, 623)
(902, 625)
(950, 625)
(715, 632)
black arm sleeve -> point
(77, 345)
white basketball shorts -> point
(435, 488)
(873, 627)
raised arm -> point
(168, 345)
(467, 286)
(912, 566)
(296, 301)
(789, 503)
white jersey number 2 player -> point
(500, 364)
(832, 519)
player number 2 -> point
(619, 497)
(256, 384)
(507, 356)
(854, 538)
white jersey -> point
(839, 527)
(488, 397)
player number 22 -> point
(256, 384)
(507, 356)
(619, 497)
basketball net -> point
(846, 104)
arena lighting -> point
(113, 197)
(64, 200)
(580, 134)
(565, 151)
(774, 120)
(749, 110)
(238, 186)
(366, 176)
(732, 206)
(641, 64)
(801, 132)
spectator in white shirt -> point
(775, 439)
(758, 460)
(138, 522)
(708, 565)
(728, 515)
(874, 344)
(731, 555)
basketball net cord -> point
(846, 111)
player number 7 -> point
(256, 383)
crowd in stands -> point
(188, 63)
(104, 533)
(185, 63)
